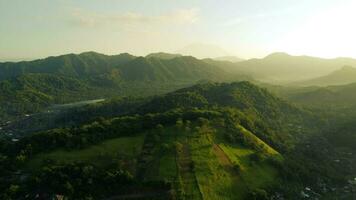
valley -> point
(177, 100)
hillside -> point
(258, 104)
(181, 145)
(343, 76)
(193, 143)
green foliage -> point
(80, 181)
(123, 148)
(211, 141)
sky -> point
(244, 28)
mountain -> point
(229, 58)
(203, 51)
(162, 55)
(74, 65)
(184, 68)
(281, 67)
(92, 75)
(343, 76)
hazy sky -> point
(245, 28)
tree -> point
(179, 146)
(179, 123)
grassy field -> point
(214, 166)
(124, 150)
(214, 181)
(162, 161)
(199, 163)
(255, 175)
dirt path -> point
(223, 159)
(186, 169)
(145, 159)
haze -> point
(39, 28)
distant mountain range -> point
(203, 51)
(284, 68)
(334, 97)
(30, 85)
(345, 75)
(163, 55)
(233, 59)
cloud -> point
(86, 18)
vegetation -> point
(206, 141)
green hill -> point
(210, 151)
(207, 141)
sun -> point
(330, 33)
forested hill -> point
(75, 65)
(211, 137)
(128, 67)
(242, 95)
(255, 102)
(31, 85)
(278, 122)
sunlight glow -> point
(327, 34)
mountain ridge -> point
(342, 76)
